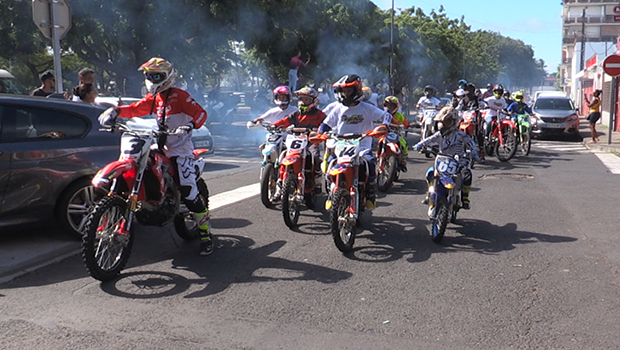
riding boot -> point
(465, 197)
(371, 199)
(206, 243)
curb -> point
(55, 253)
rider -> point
(282, 97)
(518, 107)
(391, 104)
(507, 97)
(429, 99)
(451, 141)
(349, 115)
(176, 110)
(488, 92)
(307, 116)
(495, 104)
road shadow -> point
(394, 239)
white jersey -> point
(428, 102)
(355, 119)
(495, 104)
(277, 113)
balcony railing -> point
(590, 2)
(607, 19)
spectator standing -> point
(294, 65)
(87, 93)
(48, 85)
(86, 76)
(595, 113)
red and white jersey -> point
(181, 109)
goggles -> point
(155, 77)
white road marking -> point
(611, 161)
(222, 199)
(224, 160)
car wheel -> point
(75, 204)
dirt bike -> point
(501, 140)
(272, 151)
(524, 133)
(298, 182)
(427, 124)
(346, 195)
(445, 192)
(389, 158)
(143, 185)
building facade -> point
(590, 33)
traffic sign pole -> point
(611, 66)
(56, 45)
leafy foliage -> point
(254, 40)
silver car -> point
(555, 116)
(49, 151)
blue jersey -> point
(519, 108)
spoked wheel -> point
(508, 148)
(290, 202)
(387, 175)
(342, 229)
(185, 223)
(439, 224)
(105, 250)
(268, 185)
(526, 142)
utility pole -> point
(583, 39)
(392, 52)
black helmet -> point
(353, 81)
(498, 90)
(430, 89)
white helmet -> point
(448, 119)
(159, 75)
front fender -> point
(116, 169)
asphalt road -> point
(533, 265)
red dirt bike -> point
(346, 198)
(501, 140)
(298, 182)
(389, 158)
(143, 185)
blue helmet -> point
(462, 83)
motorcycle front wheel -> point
(290, 204)
(105, 250)
(185, 223)
(508, 148)
(268, 185)
(387, 175)
(343, 231)
(526, 142)
(439, 224)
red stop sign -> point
(611, 65)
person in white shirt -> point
(428, 100)
(495, 103)
(350, 115)
(282, 97)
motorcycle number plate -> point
(296, 142)
(346, 150)
(392, 137)
(274, 138)
(446, 165)
(430, 113)
(132, 146)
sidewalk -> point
(601, 145)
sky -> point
(536, 22)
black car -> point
(49, 151)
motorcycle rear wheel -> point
(290, 205)
(388, 174)
(439, 224)
(104, 250)
(508, 149)
(342, 232)
(185, 223)
(268, 184)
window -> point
(41, 124)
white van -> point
(8, 83)
(556, 93)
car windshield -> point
(562, 104)
(8, 86)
